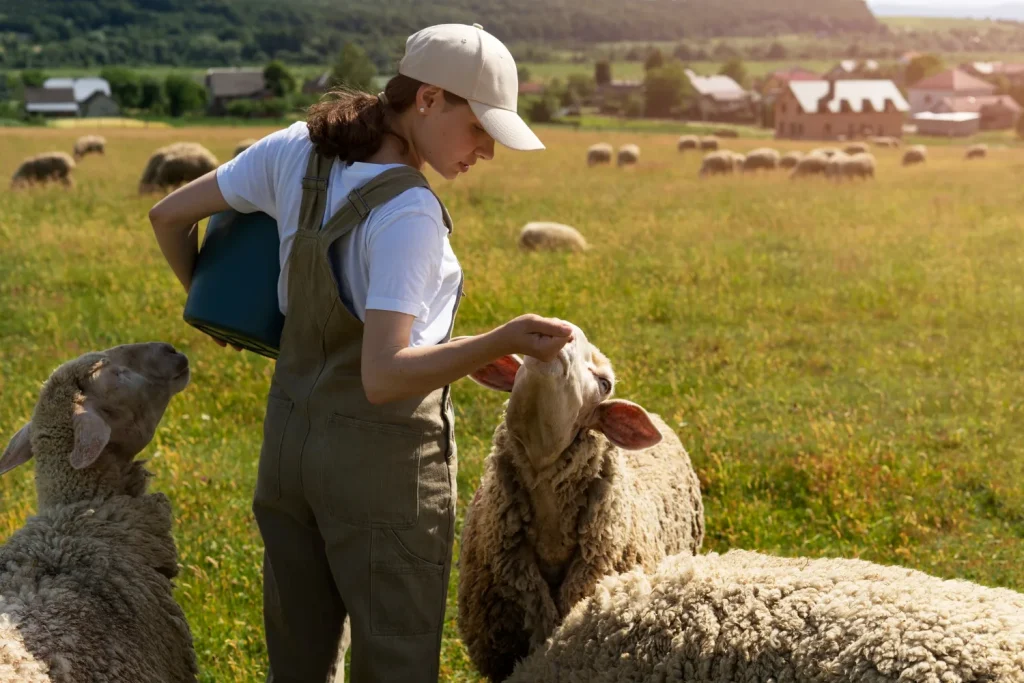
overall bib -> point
(355, 502)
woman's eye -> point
(606, 386)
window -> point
(783, 107)
(828, 129)
(792, 130)
(927, 99)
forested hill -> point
(42, 33)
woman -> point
(355, 496)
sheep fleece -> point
(744, 616)
(623, 508)
(74, 567)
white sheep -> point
(546, 236)
(599, 153)
(979, 151)
(717, 163)
(90, 144)
(762, 158)
(916, 154)
(688, 142)
(814, 163)
(789, 160)
(44, 168)
(86, 589)
(577, 486)
(855, 148)
(628, 155)
(745, 616)
(709, 143)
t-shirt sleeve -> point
(405, 251)
(248, 181)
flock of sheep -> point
(580, 553)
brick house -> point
(844, 109)
(928, 92)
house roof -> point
(954, 80)
(716, 87)
(235, 82)
(994, 68)
(853, 92)
(953, 116)
(50, 100)
(83, 87)
(976, 104)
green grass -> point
(936, 23)
(843, 362)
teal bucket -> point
(233, 296)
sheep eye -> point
(606, 386)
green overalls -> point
(355, 502)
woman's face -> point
(449, 136)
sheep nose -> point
(167, 348)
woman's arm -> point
(175, 221)
(392, 370)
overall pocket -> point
(407, 592)
(370, 472)
(268, 478)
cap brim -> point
(506, 127)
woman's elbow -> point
(158, 216)
(377, 392)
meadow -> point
(843, 362)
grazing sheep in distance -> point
(860, 165)
(726, 133)
(544, 236)
(745, 616)
(883, 141)
(174, 165)
(628, 155)
(709, 143)
(812, 164)
(827, 152)
(790, 159)
(834, 168)
(600, 153)
(86, 587)
(977, 151)
(243, 145)
(89, 144)
(688, 142)
(763, 158)
(855, 148)
(717, 163)
(915, 155)
(44, 168)
(577, 486)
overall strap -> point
(380, 190)
(314, 192)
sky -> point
(1009, 9)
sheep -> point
(883, 141)
(628, 155)
(827, 152)
(709, 143)
(243, 145)
(718, 163)
(175, 165)
(855, 148)
(544, 236)
(727, 133)
(812, 164)
(44, 168)
(576, 486)
(915, 155)
(790, 160)
(745, 616)
(977, 151)
(601, 153)
(688, 142)
(90, 144)
(860, 165)
(86, 584)
(834, 167)
(763, 158)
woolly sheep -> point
(827, 152)
(977, 151)
(688, 142)
(243, 145)
(718, 163)
(628, 155)
(860, 165)
(709, 143)
(855, 148)
(812, 164)
(44, 168)
(726, 133)
(90, 144)
(883, 141)
(545, 236)
(86, 584)
(577, 486)
(745, 616)
(763, 158)
(915, 155)
(834, 167)
(175, 165)
(601, 153)
(790, 159)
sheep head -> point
(94, 415)
(552, 402)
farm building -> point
(997, 112)
(71, 97)
(1012, 72)
(224, 86)
(949, 124)
(832, 110)
(720, 98)
(927, 93)
(318, 85)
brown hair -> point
(351, 125)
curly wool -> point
(617, 509)
(744, 616)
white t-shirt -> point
(397, 259)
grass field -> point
(843, 363)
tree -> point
(923, 66)
(278, 79)
(654, 60)
(353, 69)
(151, 95)
(665, 89)
(541, 111)
(735, 70)
(184, 95)
(777, 51)
(523, 73)
(579, 87)
(603, 72)
(33, 78)
(125, 85)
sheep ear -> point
(626, 425)
(91, 436)
(499, 375)
(18, 451)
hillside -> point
(200, 32)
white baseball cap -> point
(471, 63)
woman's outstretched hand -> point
(533, 335)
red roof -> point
(955, 80)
